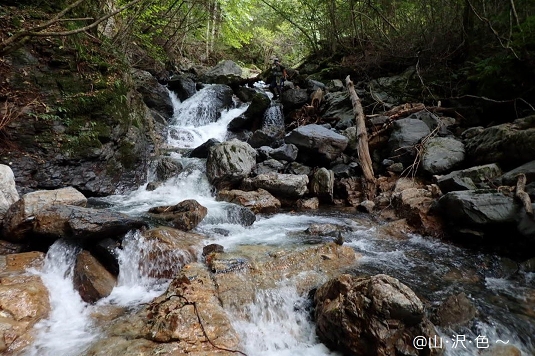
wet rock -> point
(155, 96)
(322, 185)
(166, 168)
(343, 171)
(8, 191)
(323, 229)
(280, 185)
(468, 179)
(528, 266)
(18, 220)
(261, 138)
(106, 252)
(366, 206)
(186, 215)
(202, 150)
(259, 201)
(264, 153)
(91, 279)
(269, 166)
(308, 204)
(508, 144)
(454, 311)
(167, 250)
(23, 300)
(528, 169)
(406, 133)
(441, 154)
(338, 105)
(299, 169)
(294, 99)
(224, 68)
(252, 117)
(229, 162)
(183, 85)
(212, 101)
(371, 316)
(7, 248)
(317, 145)
(502, 350)
(286, 152)
(212, 248)
(237, 214)
(82, 223)
(335, 85)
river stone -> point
(338, 105)
(528, 169)
(454, 311)
(293, 99)
(468, 179)
(91, 279)
(259, 201)
(82, 223)
(308, 204)
(167, 168)
(286, 152)
(478, 208)
(501, 350)
(229, 162)
(167, 250)
(211, 101)
(8, 191)
(239, 215)
(185, 215)
(202, 150)
(508, 144)
(183, 85)
(317, 145)
(280, 185)
(355, 315)
(441, 154)
(155, 95)
(406, 133)
(322, 185)
(269, 166)
(18, 219)
(251, 119)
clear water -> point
(278, 320)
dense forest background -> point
(478, 49)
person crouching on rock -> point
(278, 75)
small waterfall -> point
(273, 116)
(69, 328)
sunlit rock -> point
(455, 310)
(441, 154)
(186, 215)
(371, 316)
(18, 220)
(259, 201)
(280, 185)
(8, 192)
(308, 204)
(91, 279)
(229, 162)
(322, 185)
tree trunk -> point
(363, 151)
(521, 194)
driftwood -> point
(363, 151)
(521, 194)
(316, 99)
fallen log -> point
(521, 194)
(363, 151)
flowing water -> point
(279, 320)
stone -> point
(239, 215)
(322, 185)
(229, 162)
(185, 215)
(528, 169)
(269, 166)
(456, 310)
(298, 169)
(183, 85)
(280, 185)
(91, 279)
(317, 145)
(167, 168)
(82, 223)
(212, 248)
(8, 190)
(308, 204)
(366, 206)
(286, 152)
(293, 99)
(338, 105)
(18, 220)
(406, 133)
(259, 201)
(502, 350)
(468, 179)
(253, 115)
(375, 315)
(202, 150)
(441, 154)
(155, 96)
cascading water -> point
(278, 322)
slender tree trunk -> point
(369, 183)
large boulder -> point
(259, 201)
(371, 316)
(441, 154)
(252, 117)
(406, 133)
(294, 99)
(91, 279)
(202, 150)
(225, 72)
(469, 179)
(183, 85)
(322, 185)
(8, 191)
(18, 220)
(155, 96)
(338, 106)
(167, 168)
(80, 223)
(286, 152)
(229, 162)
(317, 145)
(23, 300)
(280, 185)
(186, 215)
(528, 169)
(509, 145)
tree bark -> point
(521, 194)
(363, 151)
